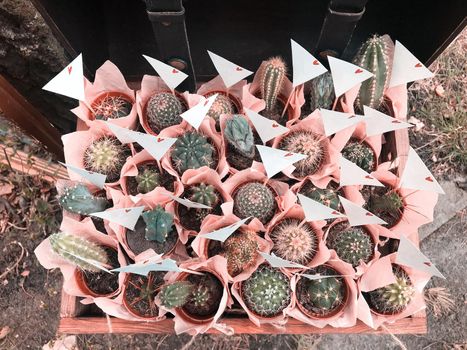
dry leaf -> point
(4, 332)
(419, 125)
(439, 90)
(6, 189)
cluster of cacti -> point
(272, 77)
(309, 144)
(390, 203)
(352, 244)
(266, 292)
(256, 200)
(375, 56)
(222, 105)
(77, 199)
(158, 224)
(192, 150)
(361, 154)
(148, 178)
(294, 241)
(322, 92)
(111, 107)
(106, 156)
(164, 110)
(239, 134)
(241, 251)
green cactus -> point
(361, 154)
(148, 179)
(222, 105)
(294, 241)
(309, 144)
(256, 200)
(79, 251)
(326, 196)
(204, 194)
(106, 156)
(322, 92)
(77, 199)
(164, 110)
(352, 244)
(158, 224)
(390, 203)
(241, 251)
(240, 135)
(272, 77)
(192, 151)
(175, 294)
(374, 56)
(140, 291)
(111, 107)
(266, 292)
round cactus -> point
(241, 251)
(192, 151)
(322, 92)
(326, 196)
(111, 107)
(222, 105)
(361, 154)
(204, 194)
(148, 179)
(272, 77)
(77, 199)
(309, 144)
(175, 294)
(106, 156)
(294, 241)
(164, 110)
(256, 200)
(266, 292)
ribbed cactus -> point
(164, 110)
(361, 154)
(375, 56)
(140, 291)
(111, 107)
(175, 294)
(192, 151)
(204, 194)
(272, 77)
(390, 203)
(294, 241)
(239, 134)
(267, 291)
(256, 200)
(79, 251)
(77, 199)
(241, 251)
(352, 244)
(222, 105)
(148, 179)
(158, 224)
(309, 144)
(106, 156)
(326, 196)
(322, 92)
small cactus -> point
(106, 156)
(111, 107)
(352, 244)
(256, 200)
(192, 151)
(158, 224)
(390, 203)
(239, 134)
(294, 241)
(272, 77)
(361, 154)
(140, 291)
(79, 251)
(148, 179)
(222, 105)
(204, 194)
(164, 110)
(322, 92)
(241, 251)
(175, 294)
(326, 196)
(77, 199)
(309, 144)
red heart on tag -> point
(288, 154)
(274, 125)
(369, 214)
(368, 177)
(427, 263)
(174, 71)
(238, 69)
(69, 69)
(316, 62)
(429, 179)
(358, 71)
(418, 65)
(335, 213)
(159, 139)
(127, 210)
(396, 122)
(352, 116)
(206, 102)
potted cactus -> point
(328, 196)
(361, 153)
(162, 110)
(385, 202)
(150, 176)
(224, 103)
(322, 92)
(112, 105)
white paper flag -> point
(123, 135)
(225, 232)
(334, 121)
(189, 204)
(276, 160)
(346, 75)
(316, 211)
(378, 123)
(195, 115)
(170, 75)
(70, 81)
(275, 261)
(406, 67)
(230, 73)
(305, 65)
(144, 267)
(266, 128)
(94, 178)
(126, 217)
(358, 216)
(352, 174)
(320, 277)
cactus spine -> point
(106, 156)
(111, 107)
(163, 110)
(239, 134)
(361, 154)
(77, 199)
(158, 224)
(256, 200)
(192, 151)
(322, 92)
(175, 294)
(147, 180)
(326, 196)
(204, 194)
(241, 251)
(391, 203)
(272, 77)
(222, 105)
(352, 245)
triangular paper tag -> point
(275, 261)
(70, 81)
(275, 160)
(225, 232)
(266, 128)
(230, 73)
(409, 255)
(189, 204)
(378, 275)
(334, 121)
(406, 67)
(305, 65)
(144, 267)
(352, 174)
(358, 216)
(123, 135)
(378, 123)
(96, 179)
(195, 115)
(126, 217)
(364, 313)
(320, 277)
(416, 175)
(346, 75)
(170, 75)
(315, 211)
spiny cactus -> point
(192, 151)
(239, 134)
(175, 294)
(391, 203)
(164, 110)
(241, 251)
(374, 56)
(111, 107)
(79, 251)
(106, 156)
(140, 292)
(77, 199)
(266, 292)
(204, 194)
(326, 196)
(148, 179)
(222, 105)
(294, 241)
(351, 244)
(309, 144)
(361, 154)
(395, 297)
(256, 200)
(322, 92)
(272, 77)
(158, 224)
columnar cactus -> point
(111, 107)
(322, 92)
(77, 199)
(158, 224)
(241, 251)
(256, 200)
(192, 151)
(239, 134)
(106, 156)
(148, 179)
(204, 194)
(175, 294)
(164, 110)
(352, 245)
(272, 77)
(326, 196)
(222, 105)
(79, 251)
(361, 154)
(266, 292)
(374, 56)
(294, 241)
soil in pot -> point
(360, 153)
(140, 292)
(386, 203)
(206, 295)
(103, 283)
(149, 177)
(112, 105)
(256, 200)
(388, 246)
(163, 110)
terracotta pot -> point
(103, 95)
(127, 305)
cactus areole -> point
(360, 153)
(256, 200)
(163, 110)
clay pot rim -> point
(235, 100)
(124, 179)
(105, 94)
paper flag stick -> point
(406, 67)
(409, 255)
(70, 81)
(195, 115)
(378, 123)
(275, 261)
(94, 178)
(170, 75)
(126, 217)
(305, 65)
(352, 174)
(336, 121)
(320, 277)
(189, 204)
(225, 232)
(230, 73)
(316, 211)
(358, 216)
(346, 75)
(276, 160)
(416, 175)
(266, 128)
